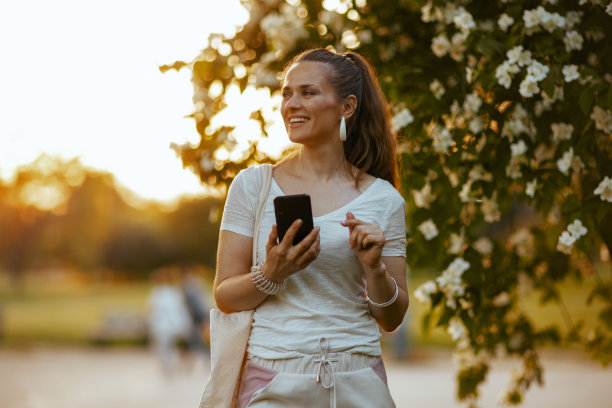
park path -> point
(130, 378)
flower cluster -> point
(568, 237)
(540, 18)
(450, 282)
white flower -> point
(456, 329)
(524, 58)
(609, 9)
(565, 162)
(604, 189)
(457, 242)
(570, 72)
(531, 18)
(483, 245)
(519, 148)
(602, 118)
(428, 229)
(450, 281)
(464, 194)
(423, 197)
(426, 13)
(476, 125)
(531, 187)
(436, 88)
(440, 45)
(401, 119)
(423, 292)
(472, 102)
(572, 18)
(514, 54)
(501, 300)
(537, 70)
(561, 131)
(464, 20)
(457, 47)
(503, 71)
(528, 87)
(566, 242)
(490, 209)
(442, 139)
(573, 41)
(505, 21)
(576, 229)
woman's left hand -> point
(366, 240)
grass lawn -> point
(70, 314)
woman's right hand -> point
(284, 259)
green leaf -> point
(585, 100)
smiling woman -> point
(88, 85)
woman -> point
(315, 340)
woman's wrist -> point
(378, 270)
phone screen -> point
(288, 209)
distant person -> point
(169, 319)
(195, 301)
(315, 338)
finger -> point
(291, 233)
(305, 243)
(272, 237)
(349, 217)
(311, 254)
(373, 240)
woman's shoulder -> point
(385, 188)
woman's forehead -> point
(307, 72)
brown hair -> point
(370, 141)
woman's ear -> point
(349, 106)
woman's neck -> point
(322, 163)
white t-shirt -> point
(326, 299)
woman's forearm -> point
(238, 293)
(381, 288)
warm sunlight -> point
(82, 79)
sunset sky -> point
(81, 78)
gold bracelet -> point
(264, 284)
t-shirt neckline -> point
(342, 208)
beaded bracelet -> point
(264, 284)
(388, 302)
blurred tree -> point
(504, 114)
(57, 212)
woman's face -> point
(310, 107)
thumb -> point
(350, 216)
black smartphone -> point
(290, 208)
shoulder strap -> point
(265, 171)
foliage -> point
(504, 114)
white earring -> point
(343, 129)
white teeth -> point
(297, 120)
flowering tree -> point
(504, 116)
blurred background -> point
(107, 244)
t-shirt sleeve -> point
(239, 210)
(395, 231)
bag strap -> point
(266, 175)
